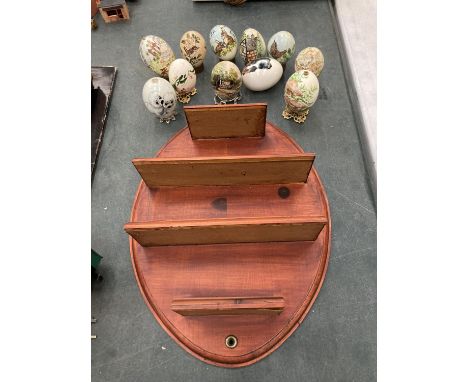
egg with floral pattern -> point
(310, 58)
(193, 49)
(160, 98)
(281, 46)
(156, 54)
(183, 79)
(223, 42)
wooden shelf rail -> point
(222, 171)
(224, 230)
(209, 306)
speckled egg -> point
(193, 49)
(156, 54)
(300, 93)
(226, 80)
(183, 78)
(310, 59)
(223, 41)
(160, 98)
(252, 46)
(262, 74)
(281, 46)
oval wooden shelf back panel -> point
(287, 275)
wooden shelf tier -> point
(242, 260)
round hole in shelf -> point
(231, 341)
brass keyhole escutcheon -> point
(231, 341)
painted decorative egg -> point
(183, 78)
(193, 48)
(227, 81)
(300, 93)
(310, 59)
(262, 74)
(160, 98)
(223, 41)
(281, 46)
(252, 46)
(156, 54)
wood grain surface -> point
(228, 170)
(223, 231)
(226, 121)
(210, 306)
(293, 270)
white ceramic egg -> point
(300, 93)
(281, 46)
(252, 46)
(183, 78)
(223, 41)
(310, 58)
(193, 49)
(156, 54)
(160, 98)
(226, 80)
(262, 74)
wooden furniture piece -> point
(113, 10)
(229, 237)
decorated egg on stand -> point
(300, 93)
(252, 46)
(223, 42)
(183, 79)
(160, 98)
(193, 49)
(281, 46)
(310, 59)
(262, 74)
(156, 54)
(226, 80)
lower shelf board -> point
(224, 231)
(210, 306)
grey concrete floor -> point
(337, 340)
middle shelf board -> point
(224, 230)
(228, 170)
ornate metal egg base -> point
(298, 117)
(185, 97)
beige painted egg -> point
(160, 98)
(223, 42)
(262, 74)
(281, 46)
(183, 78)
(300, 93)
(193, 48)
(156, 54)
(252, 46)
(310, 58)
(226, 80)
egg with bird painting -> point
(156, 54)
(183, 78)
(262, 74)
(193, 49)
(300, 93)
(281, 46)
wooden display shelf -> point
(210, 306)
(214, 217)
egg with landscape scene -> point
(226, 80)
(252, 46)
